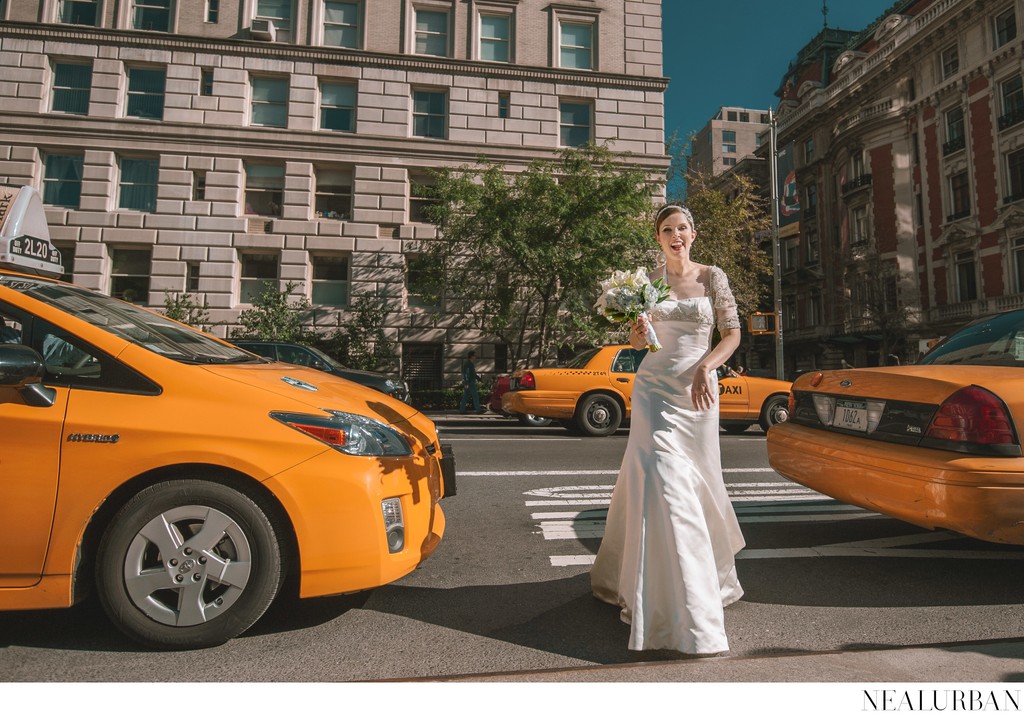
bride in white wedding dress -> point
(668, 553)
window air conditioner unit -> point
(262, 30)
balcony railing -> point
(855, 183)
(954, 145)
(1014, 116)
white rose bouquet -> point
(627, 295)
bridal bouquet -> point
(627, 295)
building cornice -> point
(303, 53)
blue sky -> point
(734, 52)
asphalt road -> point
(833, 594)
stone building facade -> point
(732, 135)
(909, 162)
(205, 146)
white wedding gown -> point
(668, 553)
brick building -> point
(207, 146)
(908, 147)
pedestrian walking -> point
(469, 387)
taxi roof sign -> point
(24, 234)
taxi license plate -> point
(851, 415)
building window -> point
(765, 118)
(576, 45)
(856, 165)
(808, 150)
(959, 197)
(812, 247)
(1015, 175)
(504, 103)
(423, 366)
(790, 254)
(419, 197)
(67, 260)
(789, 313)
(1018, 265)
(333, 198)
(950, 61)
(729, 135)
(574, 123)
(1005, 27)
(814, 317)
(79, 12)
(729, 148)
(146, 93)
(744, 116)
(259, 273)
(270, 101)
(729, 161)
(264, 188)
(330, 280)
(138, 184)
(915, 153)
(206, 82)
(495, 38)
(811, 196)
(429, 113)
(1012, 92)
(432, 33)
(129, 274)
(919, 210)
(191, 276)
(62, 180)
(198, 186)
(338, 106)
(152, 15)
(341, 24)
(277, 11)
(212, 11)
(72, 84)
(955, 140)
(890, 295)
(858, 226)
(966, 277)
(423, 285)
(731, 116)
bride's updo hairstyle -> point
(668, 210)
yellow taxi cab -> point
(593, 392)
(935, 444)
(182, 479)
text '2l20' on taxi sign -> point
(24, 234)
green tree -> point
(185, 308)
(274, 316)
(727, 230)
(360, 341)
(520, 255)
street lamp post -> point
(776, 251)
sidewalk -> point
(990, 661)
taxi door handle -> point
(622, 380)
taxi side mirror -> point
(22, 368)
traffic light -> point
(762, 323)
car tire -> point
(188, 564)
(774, 411)
(736, 428)
(598, 415)
(528, 419)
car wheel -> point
(598, 415)
(736, 427)
(528, 419)
(188, 564)
(774, 411)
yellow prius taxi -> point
(593, 393)
(936, 444)
(180, 478)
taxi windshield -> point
(132, 323)
(996, 341)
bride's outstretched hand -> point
(703, 393)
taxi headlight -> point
(348, 432)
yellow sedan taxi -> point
(183, 480)
(935, 444)
(592, 393)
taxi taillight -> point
(526, 380)
(972, 415)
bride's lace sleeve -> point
(725, 304)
